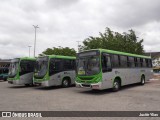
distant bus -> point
(101, 69)
(3, 73)
(156, 70)
(55, 70)
(21, 71)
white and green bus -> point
(21, 71)
(101, 69)
(55, 70)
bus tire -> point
(116, 85)
(142, 80)
(65, 83)
(27, 85)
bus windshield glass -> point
(88, 64)
(13, 69)
(41, 66)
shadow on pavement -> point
(15, 87)
(21, 86)
(108, 91)
(3, 81)
(52, 87)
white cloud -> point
(63, 22)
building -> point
(155, 58)
(4, 62)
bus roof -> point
(60, 56)
(121, 53)
(26, 58)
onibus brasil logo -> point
(21, 114)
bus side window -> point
(56, 66)
(116, 61)
(106, 63)
(144, 63)
(150, 63)
(73, 64)
(69, 64)
(51, 66)
(141, 62)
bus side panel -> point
(133, 75)
(73, 76)
(148, 74)
(26, 78)
(107, 80)
(109, 77)
(127, 76)
(57, 78)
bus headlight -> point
(95, 86)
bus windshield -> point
(88, 65)
(13, 68)
(41, 67)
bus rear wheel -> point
(116, 85)
(142, 80)
(65, 83)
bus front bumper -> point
(42, 83)
(45, 83)
(97, 86)
(15, 82)
(10, 81)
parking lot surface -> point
(129, 98)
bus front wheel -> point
(65, 83)
(116, 85)
(142, 80)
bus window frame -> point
(106, 69)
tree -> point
(126, 42)
(59, 51)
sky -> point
(64, 22)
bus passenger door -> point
(55, 71)
(107, 73)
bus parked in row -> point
(55, 70)
(3, 73)
(21, 71)
(102, 69)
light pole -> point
(35, 26)
(29, 50)
(78, 46)
(151, 53)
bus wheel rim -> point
(65, 82)
(116, 85)
(143, 80)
